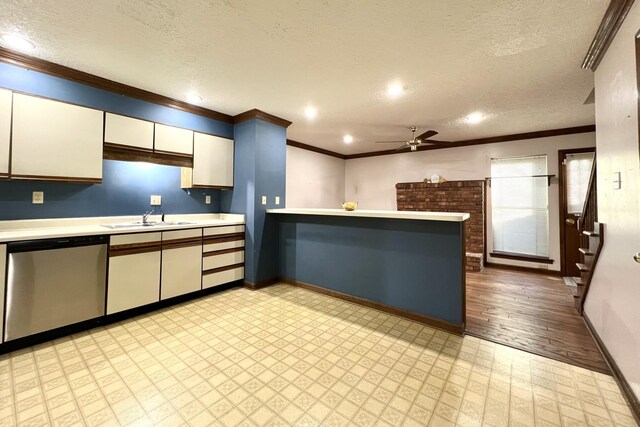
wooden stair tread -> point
(582, 267)
(578, 281)
(585, 252)
(591, 233)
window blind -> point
(519, 205)
(578, 173)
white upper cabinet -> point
(5, 130)
(212, 161)
(128, 131)
(173, 140)
(55, 140)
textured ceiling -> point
(516, 61)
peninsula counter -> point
(407, 263)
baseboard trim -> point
(627, 392)
(523, 269)
(430, 321)
(259, 285)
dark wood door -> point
(569, 212)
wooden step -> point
(590, 233)
(585, 252)
(582, 267)
(578, 281)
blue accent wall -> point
(126, 186)
(413, 265)
(125, 190)
(260, 170)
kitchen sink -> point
(146, 224)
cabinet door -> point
(5, 130)
(54, 140)
(171, 139)
(181, 262)
(127, 131)
(212, 161)
(134, 271)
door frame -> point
(563, 201)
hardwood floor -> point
(531, 312)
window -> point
(519, 205)
(578, 174)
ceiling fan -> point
(414, 142)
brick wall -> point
(451, 196)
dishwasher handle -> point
(58, 243)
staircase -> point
(591, 240)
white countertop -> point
(12, 231)
(428, 216)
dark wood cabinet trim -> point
(223, 251)
(135, 154)
(58, 179)
(223, 238)
(259, 114)
(221, 269)
(609, 26)
(134, 248)
(187, 242)
(214, 187)
(521, 257)
(57, 70)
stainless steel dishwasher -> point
(53, 283)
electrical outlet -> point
(264, 200)
(207, 200)
(156, 200)
(277, 200)
(37, 197)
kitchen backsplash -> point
(125, 190)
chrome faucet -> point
(145, 216)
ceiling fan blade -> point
(389, 142)
(401, 148)
(427, 134)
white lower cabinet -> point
(134, 271)
(181, 262)
(223, 255)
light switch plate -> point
(617, 181)
(264, 200)
(37, 197)
(207, 200)
(277, 200)
(156, 200)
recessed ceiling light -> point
(193, 98)
(17, 42)
(474, 118)
(310, 112)
(348, 139)
(394, 90)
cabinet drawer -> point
(181, 234)
(222, 277)
(230, 229)
(127, 239)
(222, 260)
(222, 246)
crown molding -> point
(292, 143)
(259, 114)
(57, 70)
(609, 26)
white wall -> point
(314, 180)
(371, 181)
(612, 302)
